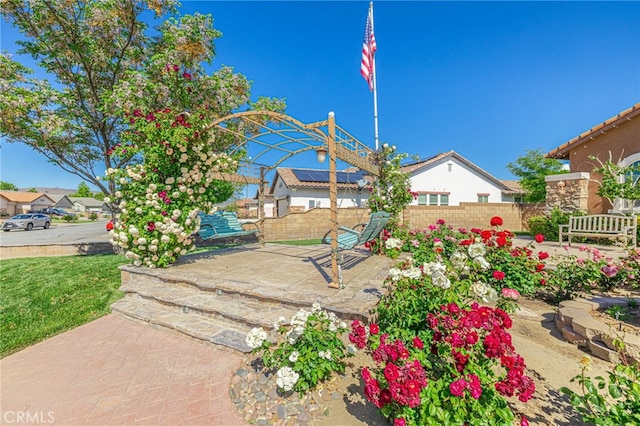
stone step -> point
(297, 298)
(204, 329)
(211, 304)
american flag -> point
(368, 49)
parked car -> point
(54, 212)
(27, 221)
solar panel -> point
(322, 176)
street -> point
(59, 233)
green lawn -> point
(44, 296)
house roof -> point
(58, 197)
(411, 168)
(514, 185)
(23, 197)
(315, 178)
(562, 152)
(87, 201)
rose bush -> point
(440, 357)
(573, 275)
(461, 375)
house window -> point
(312, 203)
(433, 199)
(444, 199)
(518, 200)
(422, 199)
(483, 198)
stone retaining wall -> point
(12, 252)
(578, 326)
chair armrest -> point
(341, 228)
(564, 226)
(359, 225)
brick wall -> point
(315, 223)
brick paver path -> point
(113, 371)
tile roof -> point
(562, 152)
(23, 197)
(513, 185)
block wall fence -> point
(315, 223)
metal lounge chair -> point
(349, 238)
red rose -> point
(374, 329)
(539, 267)
(501, 241)
(485, 234)
(391, 372)
(539, 238)
(498, 275)
(524, 421)
(399, 422)
(496, 221)
(543, 255)
(417, 342)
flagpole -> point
(375, 89)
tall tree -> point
(7, 186)
(104, 65)
(83, 191)
(532, 168)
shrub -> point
(308, 351)
(69, 218)
(548, 225)
(93, 216)
(459, 371)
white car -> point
(27, 222)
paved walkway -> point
(114, 371)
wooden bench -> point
(223, 224)
(600, 225)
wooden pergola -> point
(268, 131)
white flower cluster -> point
(459, 262)
(484, 292)
(256, 337)
(393, 243)
(286, 378)
(412, 272)
(437, 272)
(325, 354)
(477, 251)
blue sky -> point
(486, 79)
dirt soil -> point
(551, 361)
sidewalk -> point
(113, 371)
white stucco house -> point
(89, 205)
(298, 190)
(448, 179)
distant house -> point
(449, 179)
(89, 205)
(62, 201)
(12, 203)
(618, 139)
(298, 190)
